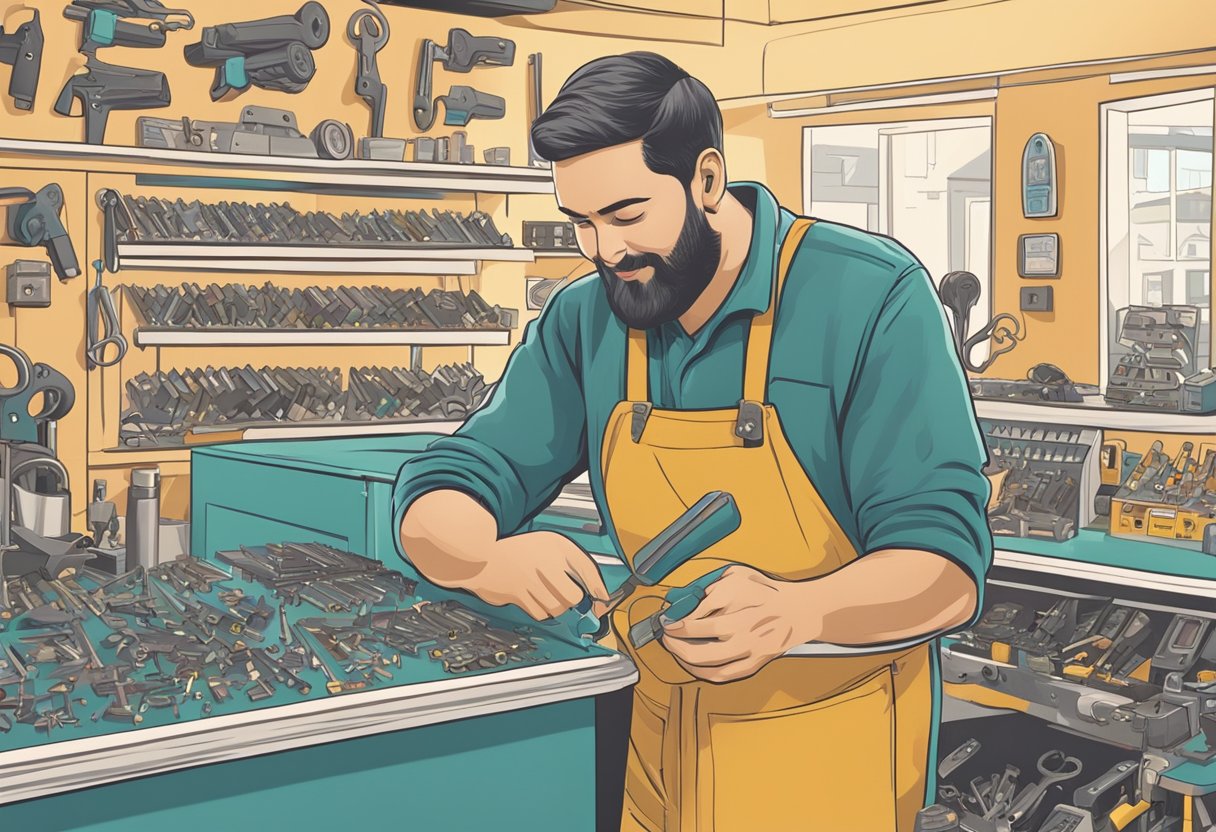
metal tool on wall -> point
(22, 50)
(534, 99)
(137, 23)
(261, 131)
(33, 219)
(274, 53)
(104, 327)
(367, 30)
(462, 54)
(959, 292)
(102, 87)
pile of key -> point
(315, 307)
(327, 578)
(998, 804)
(166, 405)
(450, 392)
(143, 219)
(337, 581)
(186, 635)
(1040, 493)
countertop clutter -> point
(90, 653)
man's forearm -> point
(446, 534)
(888, 595)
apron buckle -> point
(749, 426)
(641, 412)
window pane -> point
(1159, 224)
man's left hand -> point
(746, 620)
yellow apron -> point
(834, 744)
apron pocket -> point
(824, 766)
(644, 792)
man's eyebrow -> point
(616, 206)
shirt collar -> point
(753, 288)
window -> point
(928, 184)
(1157, 200)
(1198, 286)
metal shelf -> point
(237, 337)
(1096, 414)
(191, 256)
(571, 254)
(126, 457)
(346, 173)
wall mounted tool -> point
(959, 292)
(138, 23)
(33, 219)
(534, 76)
(102, 87)
(274, 53)
(22, 50)
(462, 54)
(367, 30)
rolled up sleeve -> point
(912, 450)
(516, 451)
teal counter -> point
(539, 746)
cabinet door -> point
(239, 503)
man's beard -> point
(678, 280)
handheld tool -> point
(22, 50)
(681, 601)
(104, 329)
(367, 30)
(102, 87)
(534, 71)
(137, 23)
(274, 53)
(706, 522)
(462, 54)
(959, 292)
(33, 219)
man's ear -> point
(709, 185)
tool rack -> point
(992, 696)
(336, 185)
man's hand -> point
(543, 573)
(746, 620)
(453, 542)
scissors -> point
(103, 321)
(58, 396)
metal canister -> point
(143, 518)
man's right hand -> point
(543, 573)
(453, 542)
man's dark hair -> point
(623, 98)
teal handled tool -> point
(680, 602)
(706, 522)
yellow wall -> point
(726, 43)
(568, 38)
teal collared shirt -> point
(863, 374)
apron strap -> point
(635, 367)
(760, 337)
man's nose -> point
(610, 246)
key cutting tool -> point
(706, 522)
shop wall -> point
(567, 39)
